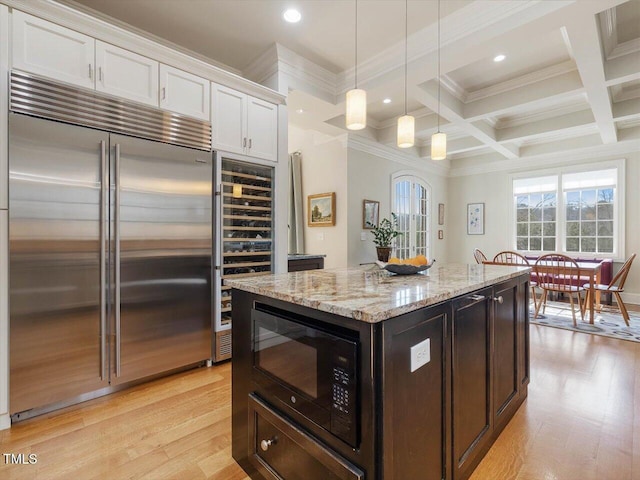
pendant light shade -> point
(406, 123)
(237, 190)
(439, 139)
(356, 99)
(438, 146)
(356, 117)
(406, 129)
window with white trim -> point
(412, 205)
(570, 212)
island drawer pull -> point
(498, 299)
(477, 298)
(265, 444)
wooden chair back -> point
(479, 256)
(621, 277)
(510, 258)
(557, 272)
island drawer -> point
(281, 450)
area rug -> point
(608, 323)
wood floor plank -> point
(580, 422)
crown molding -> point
(547, 113)
(453, 87)
(622, 49)
(522, 81)
(371, 147)
(625, 146)
(84, 20)
(301, 73)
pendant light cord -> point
(438, 66)
(356, 52)
(406, 16)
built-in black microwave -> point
(309, 367)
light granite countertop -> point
(372, 295)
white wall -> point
(494, 189)
(370, 178)
(324, 169)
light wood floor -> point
(580, 422)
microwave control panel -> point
(344, 421)
(341, 390)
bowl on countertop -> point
(404, 269)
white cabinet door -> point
(184, 93)
(229, 125)
(126, 74)
(48, 49)
(262, 129)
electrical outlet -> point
(420, 354)
(363, 236)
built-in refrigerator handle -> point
(117, 252)
(103, 257)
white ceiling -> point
(572, 69)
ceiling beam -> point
(452, 109)
(622, 69)
(563, 124)
(584, 38)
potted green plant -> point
(383, 235)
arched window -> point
(412, 204)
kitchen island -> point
(360, 374)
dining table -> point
(587, 269)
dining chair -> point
(557, 273)
(479, 256)
(508, 257)
(616, 286)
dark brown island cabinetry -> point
(435, 387)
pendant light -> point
(406, 123)
(356, 100)
(439, 139)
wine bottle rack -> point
(246, 216)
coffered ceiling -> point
(569, 85)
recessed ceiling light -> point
(299, 110)
(386, 100)
(499, 58)
(292, 15)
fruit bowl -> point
(404, 269)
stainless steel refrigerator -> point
(110, 259)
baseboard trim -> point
(5, 421)
(633, 298)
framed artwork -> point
(321, 210)
(441, 214)
(475, 219)
(370, 214)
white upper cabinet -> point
(126, 74)
(262, 129)
(244, 124)
(48, 49)
(185, 93)
(229, 119)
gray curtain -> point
(296, 206)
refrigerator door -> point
(162, 247)
(57, 261)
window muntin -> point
(412, 205)
(573, 212)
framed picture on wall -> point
(370, 214)
(475, 219)
(321, 210)
(441, 214)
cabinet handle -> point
(100, 73)
(477, 298)
(265, 444)
(164, 93)
(249, 144)
(498, 299)
(244, 142)
(90, 71)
